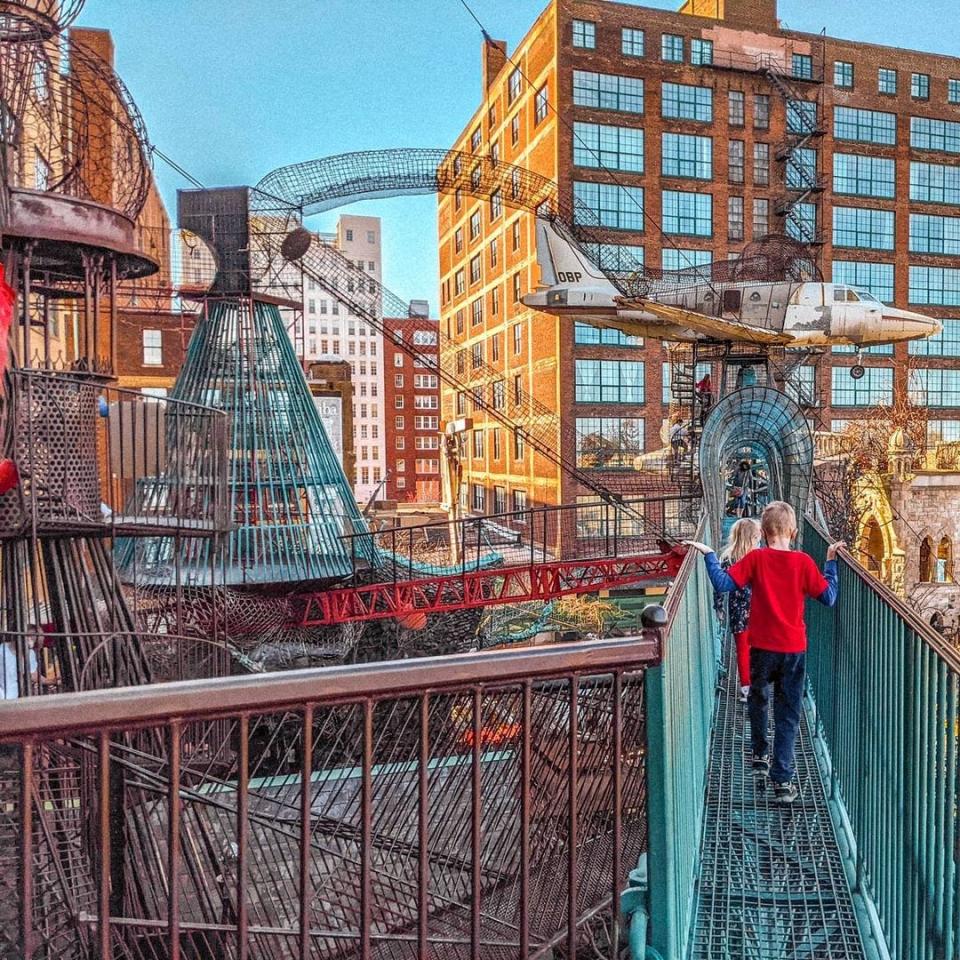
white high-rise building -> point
(331, 329)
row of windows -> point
(478, 501)
(609, 381)
(887, 82)
(633, 43)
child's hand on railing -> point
(699, 547)
(834, 548)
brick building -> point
(412, 406)
(691, 133)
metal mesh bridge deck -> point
(772, 883)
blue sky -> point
(230, 92)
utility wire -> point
(189, 177)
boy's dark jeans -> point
(785, 671)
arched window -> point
(944, 567)
(871, 547)
(926, 560)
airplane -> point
(781, 313)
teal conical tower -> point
(294, 514)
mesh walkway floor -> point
(772, 883)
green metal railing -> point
(680, 707)
(886, 706)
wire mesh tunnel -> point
(763, 425)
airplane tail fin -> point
(561, 260)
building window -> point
(801, 385)
(398, 403)
(671, 48)
(735, 218)
(517, 339)
(702, 369)
(494, 245)
(476, 312)
(475, 224)
(459, 283)
(802, 66)
(863, 228)
(761, 111)
(597, 520)
(398, 423)
(499, 500)
(887, 81)
(515, 235)
(425, 403)
(735, 108)
(877, 278)
(499, 394)
(843, 74)
(349, 235)
(865, 126)
(632, 42)
(863, 176)
(681, 101)
(519, 446)
(688, 214)
(874, 389)
(675, 259)
(475, 140)
(398, 381)
(584, 34)
(934, 183)
(152, 348)
(609, 381)
(496, 205)
(761, 217)
(929, 234)
(495, 302)
(476, 356)
(802, 116)
(475, 271)
(801, 169)
(497, 452)
(604, 91)
(685, 155)
(459, 321)
(944, 344)
(920, 86)
(515, 129)
(587, 335)
(761, 164)
(541, 105)
(953, 91)
(609, 443)
(519, 498)
(400, 443)
(735, 161)
(517, 288)
(942, 135)
(479, 498)
(701, 52)
(517, 389)
(935, 388)
(937, 286)
(615, 148)
(617, 258)
(609, 205)
(801, 222)
(514, 85)
(478, 444)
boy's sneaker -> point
(760, 764)
(785, 792)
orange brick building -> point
(692, 133)
(412, 409)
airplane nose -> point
(913, 326)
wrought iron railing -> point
(476, 806)
(887, 707)
(91, 458)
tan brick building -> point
(692, 133)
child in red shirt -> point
(781, 579)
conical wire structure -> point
(295, 517)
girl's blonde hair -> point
(743, 538)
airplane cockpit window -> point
(867, 297)
(844, 295)
(852, 296)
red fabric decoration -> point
(9, 475)
(7, 300)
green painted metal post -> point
(680, 705)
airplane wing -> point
(714, 327)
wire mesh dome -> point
(29, 19)
(69, 125)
